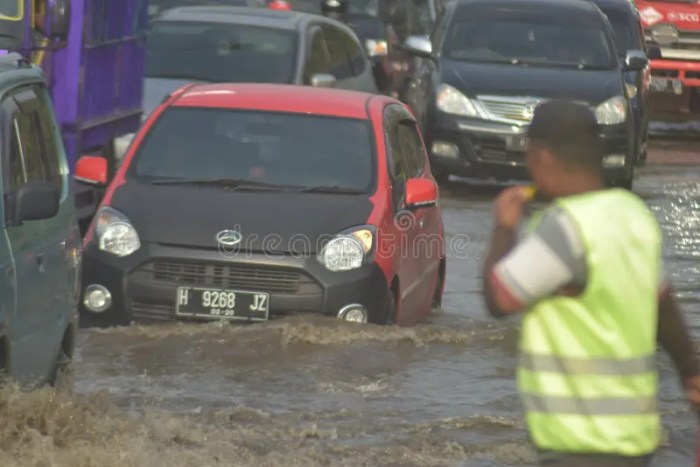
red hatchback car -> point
(247, 201)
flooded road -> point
(309, 391)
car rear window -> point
(279, 148)
(220, 52)
(528, 37)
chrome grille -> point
(232, 276)
(511, 109)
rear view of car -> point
(243, 202)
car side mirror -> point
(92, 170)
(420, 46)
(35, 201)
(57, 21)
(636, 60)
(323, 80)
(421, 193)
(654, 53)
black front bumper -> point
(484, 150)
(143, 286)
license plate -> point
(516, 143)
(667, 85)
(222, 304)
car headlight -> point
(115, 234)
(349, 249)
(451, 101)
(376, 48)
(612, 112)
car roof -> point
(553, 7)
(265, 17)
(621, 5)
(277, 98)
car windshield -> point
(218, 52)
(530, 38)
(9, 8)
(625, 37)
(269, 148)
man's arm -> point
(546, 262)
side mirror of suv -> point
(35, 201)
(323, 80)
(635, 60)
(92, 170)
(654, 53)
(421, 193)
(420, 46)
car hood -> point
(156, 89)
(592, 86)
(268, 221)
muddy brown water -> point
(310, 391)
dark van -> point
(489, 63)
(40, 248)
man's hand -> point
(508, 207)
(692, 390)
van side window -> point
(35, 153)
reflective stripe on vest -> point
(587, 366)
(598, 406)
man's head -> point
(334, 9)
(564, 147)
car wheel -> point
(63, 378)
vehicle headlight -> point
(376, 48)
(451, 101)
(115, 234)
(612, 112)
(349, 249)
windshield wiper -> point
(230, 183)
(555, 64)
(181, 76)
(333, 189)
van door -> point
(31, 355)
(61, 231)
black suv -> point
(489, 63)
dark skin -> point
(555, 178)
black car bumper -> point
(144, 285)
(485, 149)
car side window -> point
(318, 60)
(34, 151)
(339, 58)
(412, 147)
(355, 52)
(395, 154)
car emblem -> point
(665, 35)
(529, 110)
(650, 16)
(228, 238)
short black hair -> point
(570, 130)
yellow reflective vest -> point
(587, 372)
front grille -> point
(228, 276)
(493, 149)
(514, 109)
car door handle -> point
(64, 245)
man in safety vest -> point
(588, 274)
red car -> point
(247, 201)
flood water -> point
(308, 391)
